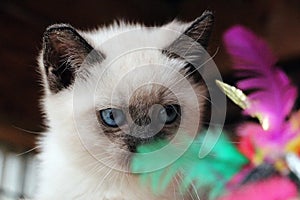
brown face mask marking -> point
(142, 122)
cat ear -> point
(198, 31)
(64, 52)
(192, 44)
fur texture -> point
(81, 158)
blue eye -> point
(112, 117)
(169, 114)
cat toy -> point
(264, 164)
(272, 145)
(213, 169)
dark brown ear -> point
(201, 28)
(199, 31)
(64, 51)
(192, 44)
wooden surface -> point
(23, 22)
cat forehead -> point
(136, 75)
(136, 67)
(149, 84)
(142, 61)
(121, 38)
(141, 97)
(130, 47)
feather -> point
(214, 170)
(272, 97)
(236, 95)
(275, 188)
(252, 59)
(293, 161)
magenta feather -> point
(276, 188)
(253, 59)
(273, 96)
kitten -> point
(109, 90)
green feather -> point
(214, 170)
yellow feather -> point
(236, 95)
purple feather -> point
(272, 97)
(252, 58)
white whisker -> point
(181, 178)
(28, 151)
(27, 131)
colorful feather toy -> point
(276, 188)
(265, 165)
(216, 169)
(271, 99)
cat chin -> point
(66, 176)
(61, 178)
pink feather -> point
(253, 59)
(272, 189)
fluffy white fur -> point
(73, 149)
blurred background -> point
(22, 24)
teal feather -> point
(214, 170)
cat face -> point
(111, 90)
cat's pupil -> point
(169, 114)
(111, 116)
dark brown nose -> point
(133, 142)
(142, 133)
(145, 125)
